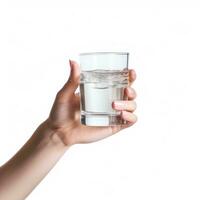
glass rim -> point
(96, 53)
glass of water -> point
(104, 76)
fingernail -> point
(118, 105)
(135, 118)
(70, 62)
(134, 105)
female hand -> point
(64, 117)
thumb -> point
(73, 81)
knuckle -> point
(59, 94)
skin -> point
(62, 129)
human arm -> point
(62, 129)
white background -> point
(158, 158)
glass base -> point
(101, 120)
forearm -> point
(22, 173)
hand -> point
(64, 117)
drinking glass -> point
(104, 76)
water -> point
(99, 88)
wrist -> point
(60, 136)
(52, 136)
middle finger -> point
(130, 93)
(124, 105)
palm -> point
(66, 115)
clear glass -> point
(104, 75)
